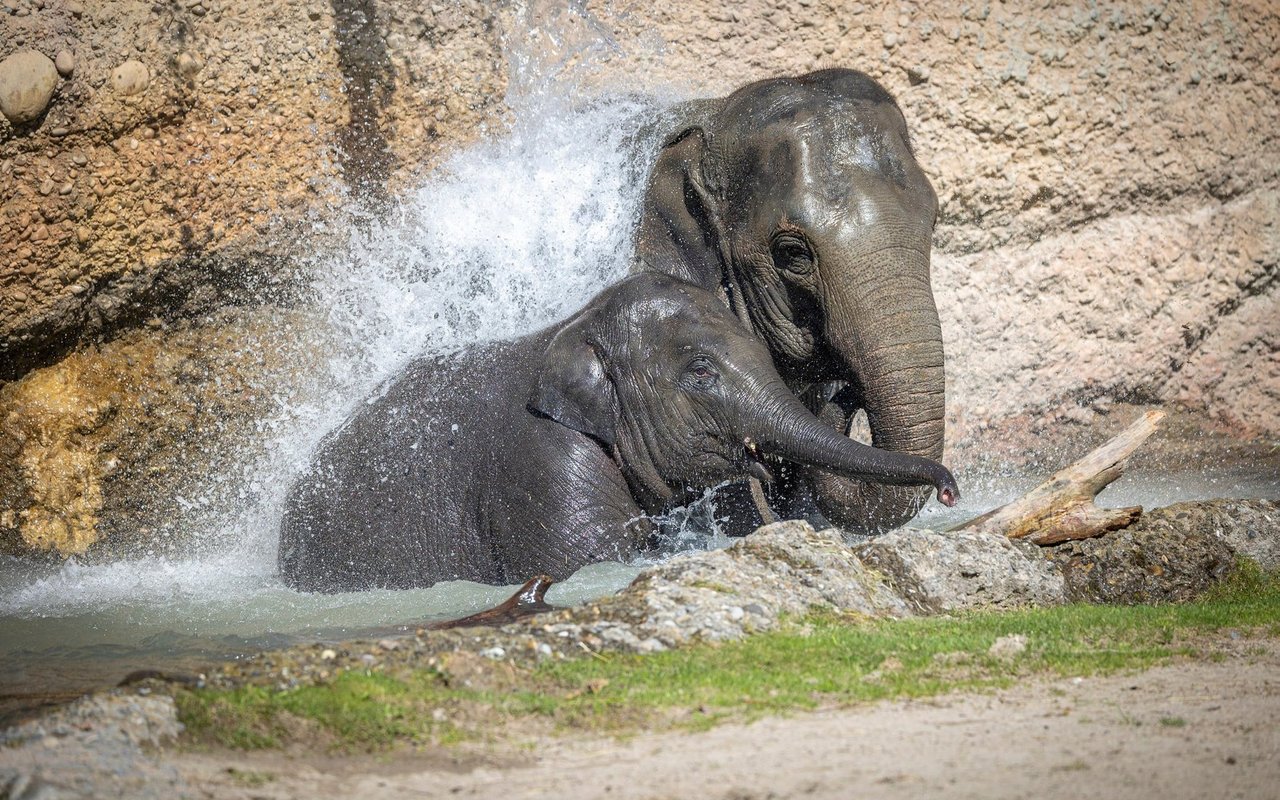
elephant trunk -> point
(789, 430)
(881, 321)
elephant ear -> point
(573, 387)
(681, 207)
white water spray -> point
(504, 238)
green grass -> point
(824, 659)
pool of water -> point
(70, 628)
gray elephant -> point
(545, 453)
(800, 202)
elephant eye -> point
(701, 374)
(792, 254)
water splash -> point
(504, 238)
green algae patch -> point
(823, 659)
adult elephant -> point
(800, 201)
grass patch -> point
(825, 659)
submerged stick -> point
(1061, 509)
(527, 601)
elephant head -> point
(664, 376)
(800, 201)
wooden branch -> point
(1061, 509)
(527, 601)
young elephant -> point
(543, 454)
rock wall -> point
(1109, 178)
(153, 189)
(169, 164)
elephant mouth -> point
(753, 461)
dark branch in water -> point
(527, 601)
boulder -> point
(130, 78)
(27, 81)
(951, 571)
(1171, 554)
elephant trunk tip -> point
(948, 492)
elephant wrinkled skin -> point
(545, 453)
(800, 202)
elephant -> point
(800, 202)
(551, 451)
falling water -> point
(505, 237)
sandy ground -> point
(1194, 730)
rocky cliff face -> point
(153, 188)
(1109, 180)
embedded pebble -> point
(130, 78)
(27, 81)
(188, 64)
(65, 63)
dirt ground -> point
(1197, 729)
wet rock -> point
(1171, 554)
(65, 63)
(27, 81)
(939, 572)
(130, 78)
(1249, 527)
(784, 568)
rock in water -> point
(27, 81)
(130, 78)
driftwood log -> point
(1061, 509)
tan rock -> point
(130, 78)
(65, 63)
(27, 81)
(188, 64)
(48, 418)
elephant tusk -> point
(755, 463)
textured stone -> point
(188, 64)
(784, 568)
(27, 81)
(1171, 554)
(130, 78)
(65, 63)
(957, 570)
